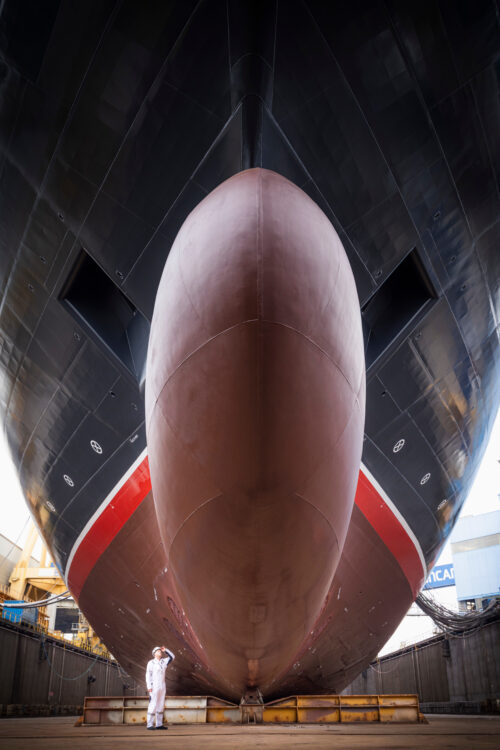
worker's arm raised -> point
(167, 651)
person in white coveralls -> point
(155, 682)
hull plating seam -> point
(130, 491)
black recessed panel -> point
(96, 302)
(395, 304)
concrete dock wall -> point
(40, 674)
(447, 673)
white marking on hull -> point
(402, 520)
(100, 509)
(143, 455)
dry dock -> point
(468, 732)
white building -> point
(466, 578)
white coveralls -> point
(155, 681)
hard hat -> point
(156, 648)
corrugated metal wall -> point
(474, 669)
(440, 670)
(36, 671)
(39, 670)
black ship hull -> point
(117, 120)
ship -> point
(249, 319)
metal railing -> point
(43, 629)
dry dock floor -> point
(441, 732)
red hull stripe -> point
(392, 529)
(106, 526)
(128, 494)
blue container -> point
(18, 614)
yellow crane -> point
(28, 583)
(32, 583)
